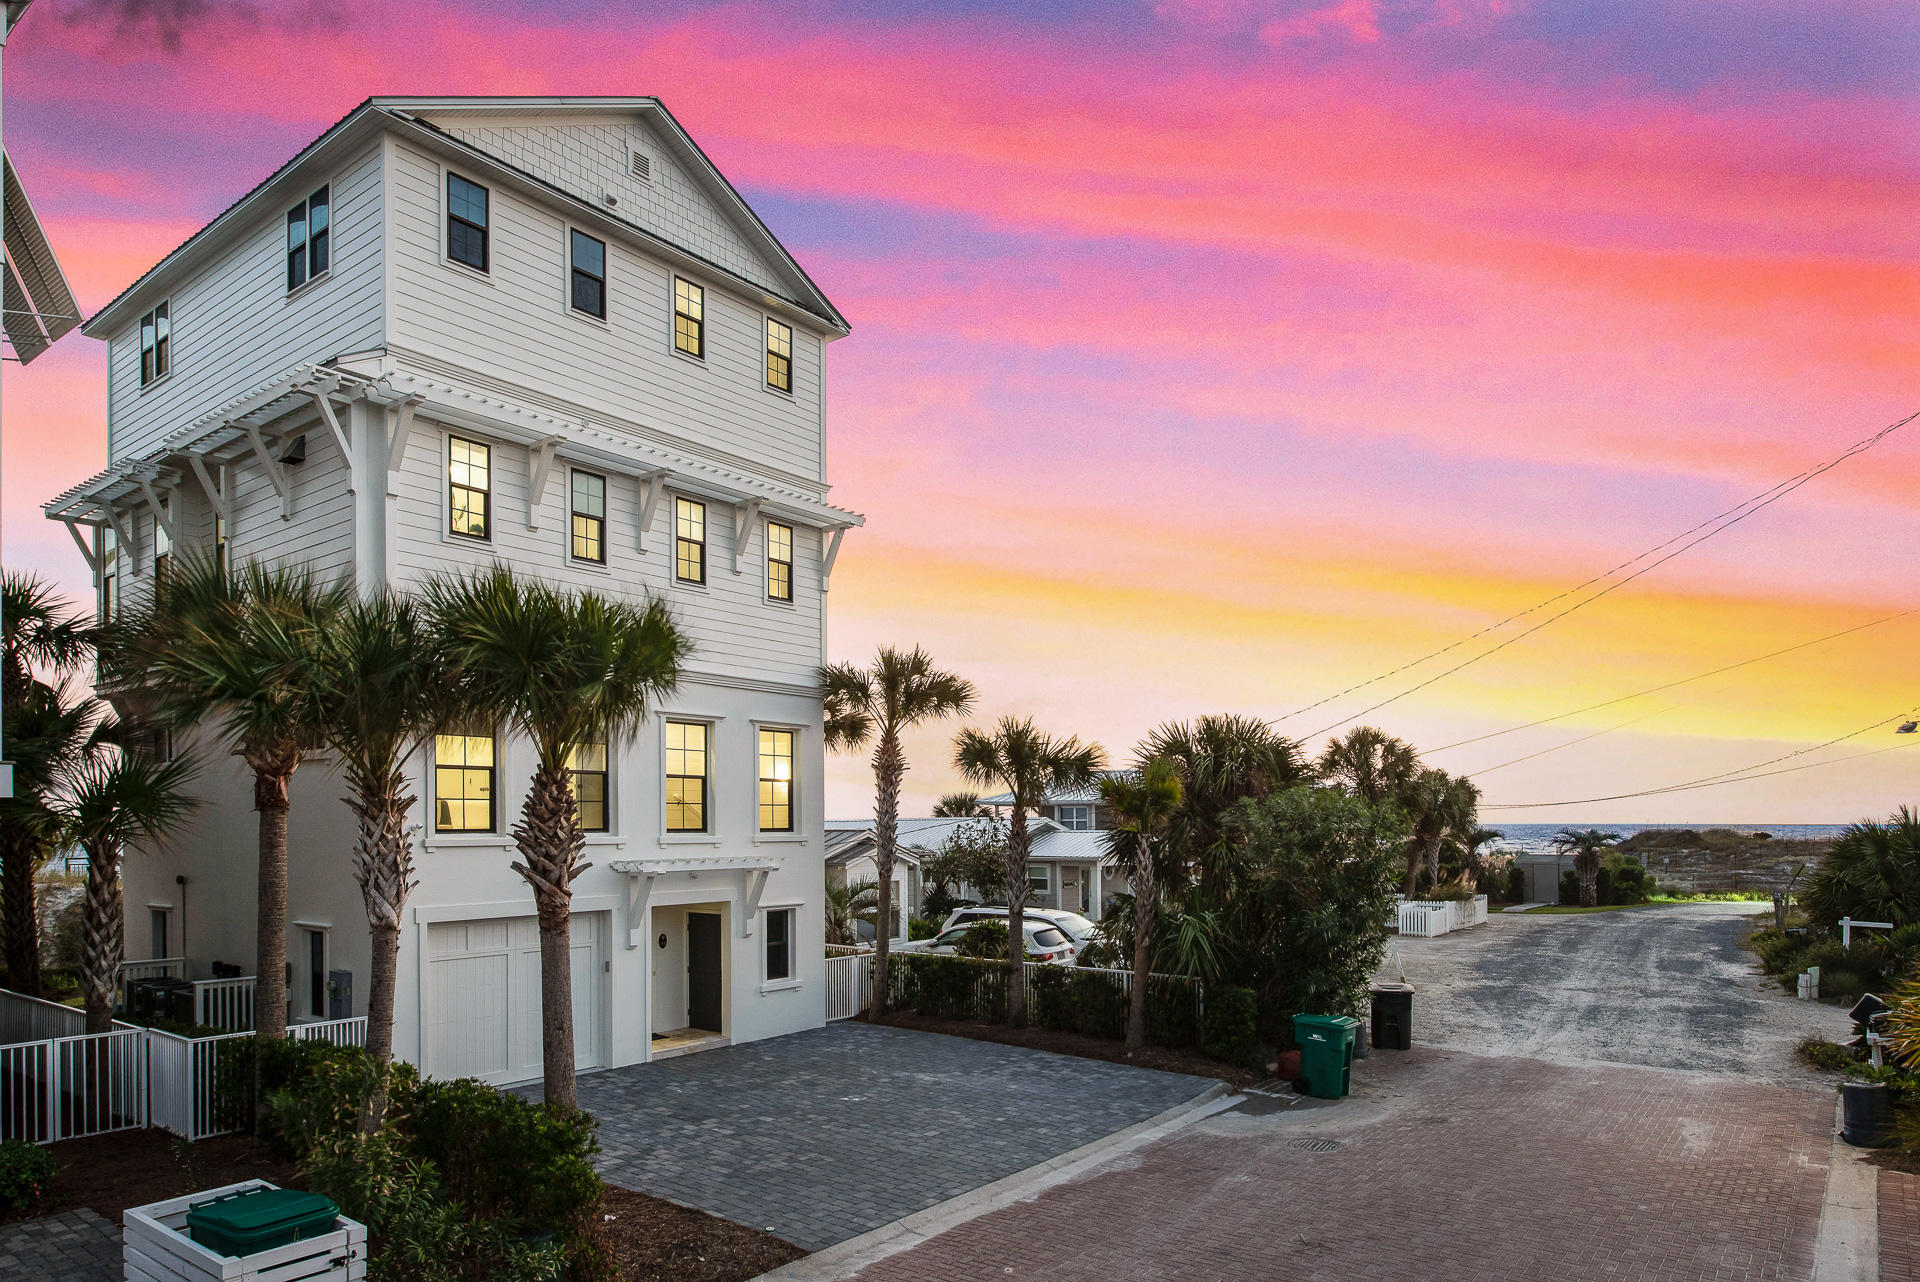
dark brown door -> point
(703, 971)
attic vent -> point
(642, 166)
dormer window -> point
(1074, 818)
(156, 345)
(309, 239)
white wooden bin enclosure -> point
(157, 1248)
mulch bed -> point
(109, 1173)
(656, 1240)
(1065, 1043)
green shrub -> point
(1517, 884)
(26, 1172)
(505, 1157)
(1818, 1052)
(921, 928)
(948, 987)
(988, 939)
(285, 1064)
(1569, 887)
(1231, 1035)
(1603, 887)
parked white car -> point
(1045, 943)
(1072, 925)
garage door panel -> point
(469, 1028)
(484, 997)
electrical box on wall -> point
(339, 994)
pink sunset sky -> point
(1216, 356)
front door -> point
(703, 971)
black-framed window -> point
(463, 772)
(689, 318)
(316, 973)
(156, 344)
(779, 356)
(779, 943)
(220, 543)
(469, 488)
(686, 776)
(776, 780)
(467, 234)
(779, 561)
(589, 510)
(157, 931)
(309, 239)
(588, 768)
(589, 286)
(109, 546)
(162, 541)
(689, 540)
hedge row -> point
(1058, 997)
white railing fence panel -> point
(28, 1019)
(341, 1032)
(849, 985)
(26, 1078)
(153, 968)
(100, 1083)
(224, 1003)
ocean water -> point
(1539, 837)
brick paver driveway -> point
(823, 1135)
(1455, 1165)
(73, 1246)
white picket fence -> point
(1426, 918)
(849, 985)
(224, 1003)
(184, 1073)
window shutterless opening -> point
(463, 774)
(588, 768)
(467, 222)
(686, 776)
(776, 780)
(156, 344)
(588, 286)
(779, 561)
(309, 239)
(469, 488)
(779, 944)
(690, 541)
(779, 356)
(162, 541)
(689, 318)
(587, 540)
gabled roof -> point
(920, 836)
(401, 116)
(1085, 795)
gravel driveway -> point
(1664, 987)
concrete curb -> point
(1848, 1248)
(847, 1258)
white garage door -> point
(483, 997)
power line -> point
(1702, 676)
(1719, 523)
(1475, 774)
(1728, 776)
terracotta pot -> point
(1289, 1066)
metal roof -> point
(1085, 795)
(40, 306)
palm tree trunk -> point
(270, 783)
(550, 843)
(101, 942)
(1017, 888)
(1412, 882)
(1587, 868)
(383, 865)
(21, 926)
(1433, 860)
(889, 768)
(1145, 909)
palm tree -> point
(568, 671)
(1371, 764)
(848, 906)
(1872, 872)
(110, 805)
(1028, 764)
(961, 805)
(1471, 839)
(1441, 806)
(1222, 760)
(875, 704)
(1144, 805)
(39, 631)
(382, 691)
(236, 649)
(1586, 846)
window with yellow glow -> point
(590, 517)
(779, 561)
(779, 356)
(469, 488)
(588, 766)
(690, 541)
(463, 767)
(686, 781)
(689, 318)
(776, 781)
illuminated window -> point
(466, 222)
(156, 345)
(588, 766)
(589, 275)
(469, 488)
(590, 517)
(463, 766)
(779, 943)
(779, 356)
(162, 542)
(309, 239)
(686, 783)
(776, 781)
(689, 318)
(109, 574)
(690, 541)
(779, 561)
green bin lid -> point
(1327, 1021)
(261, 1213)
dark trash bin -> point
(1393, 1017)
(1866, 1113)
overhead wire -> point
(1476, 774)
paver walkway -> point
(1899, 1227)
(1449, 1166)
(73, 1246)
(823, 1135)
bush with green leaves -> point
(26, 1173)
(1569, 888)
(1517, 884)
(1871, 874)
(1232, 1033)
(922, 928)
(987, 939)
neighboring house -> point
(1065, 867)
(1074, 809)
(850, 862)
(538, 331)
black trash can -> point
(1866, 1114)
(1393, 1017)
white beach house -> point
(545, 332)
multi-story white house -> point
(545, 332)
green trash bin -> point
(259, 1220)
(1326, 1053)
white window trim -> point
(793, 363)
(304, 971)
(566, 273)
(793, 564)
(798, 835)
(606, 523)
(1041, 872)
(495, 836)
(611, 834)
(672, 499)
(445, 481)
(793, 979)
(139, 352)
(706, 319)
(711, 837)
(446, 246)
(307, 285)
(1063, 822)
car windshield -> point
(1048, 937)
(1074, 924)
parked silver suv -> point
(1072, 925)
